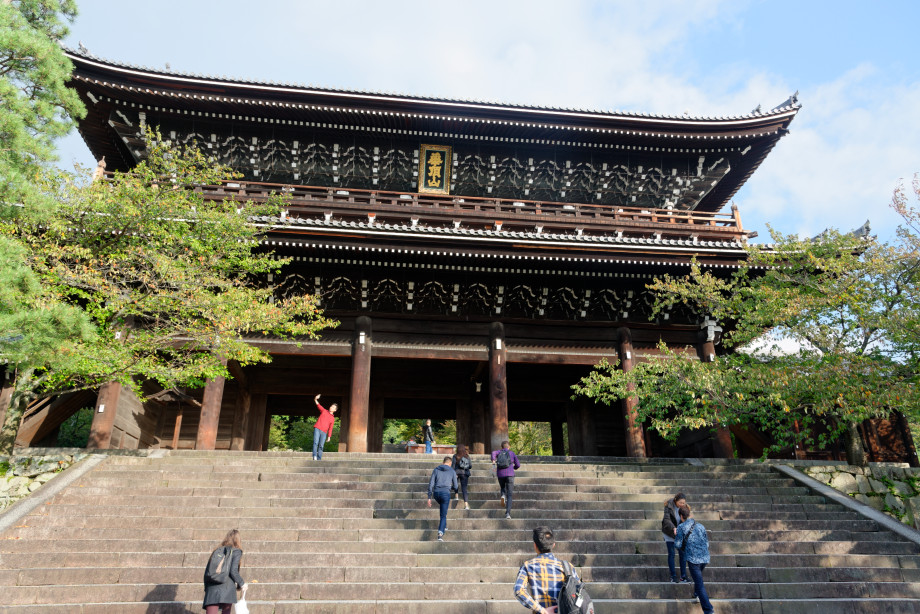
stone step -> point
(468, 530)
(319, 534)
(423, 553)
(482, 489)
(383, 498)
(507, 606)
(434, 589)
(192, 575)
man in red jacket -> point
(323, 428)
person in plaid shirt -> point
(540, 580)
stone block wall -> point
(890, 488)
(21, 475)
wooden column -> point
(342, 417)
(722, 445)
(100, 431)
(635, 439)
(6, 394)
(266, 430)
(555, 429)
(375, 426)
(588, 426)
(463, 423)
(360, 386)
(498, 385)
(258, 405)
(576, 440)
(241, 417)
(210, 413)
(477, 420)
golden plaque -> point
(434, 169)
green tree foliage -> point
(813, 345)
(296, 433)
(38, 333)
(74, 432)
(36, 107)
(531, 438)
(169, 283)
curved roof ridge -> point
(785, 107)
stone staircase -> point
(352, 534)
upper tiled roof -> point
(787, 108)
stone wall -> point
(21, 475)
(890, 488)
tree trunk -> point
(854, 445)
(19, 401)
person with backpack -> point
(505, 462)
(669, 529)
(323, 428)
(546, 584)
(222, 576)
(692, 538)
(463, 467)
(442, 481)
(428, 437)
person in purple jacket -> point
(505, 462)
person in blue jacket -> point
(443, 480)
(696, 552)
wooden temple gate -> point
(481, 257)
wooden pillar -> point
(555, 429)
(210, 413)
(177, 428)
(6, 394)
(463, 423)
(344, 410)
(100, 431)
(375, 426)
(588, 426)
(576, 445)
(635, 439)
(266, 430)
(360, 385)
(478, 424)
(498, 385)
(258, 405)
(241, 417)
(722, 445)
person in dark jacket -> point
(442, 480)
(428, 437)
(669, 529)
(505, 474)
(219, 598)
(323, 428)
(463, 467)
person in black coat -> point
(219, 598)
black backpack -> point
(218, 569)
(503, 460)
(464, 463)
(573, 598)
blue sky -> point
(854, 64)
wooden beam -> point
(100, 431)
(498, 385)
(477, 419)
(241, 416)
(635, 439)
(360, 386)
(555, 429)
(257, 411)
(210, 413)
(39, 425)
